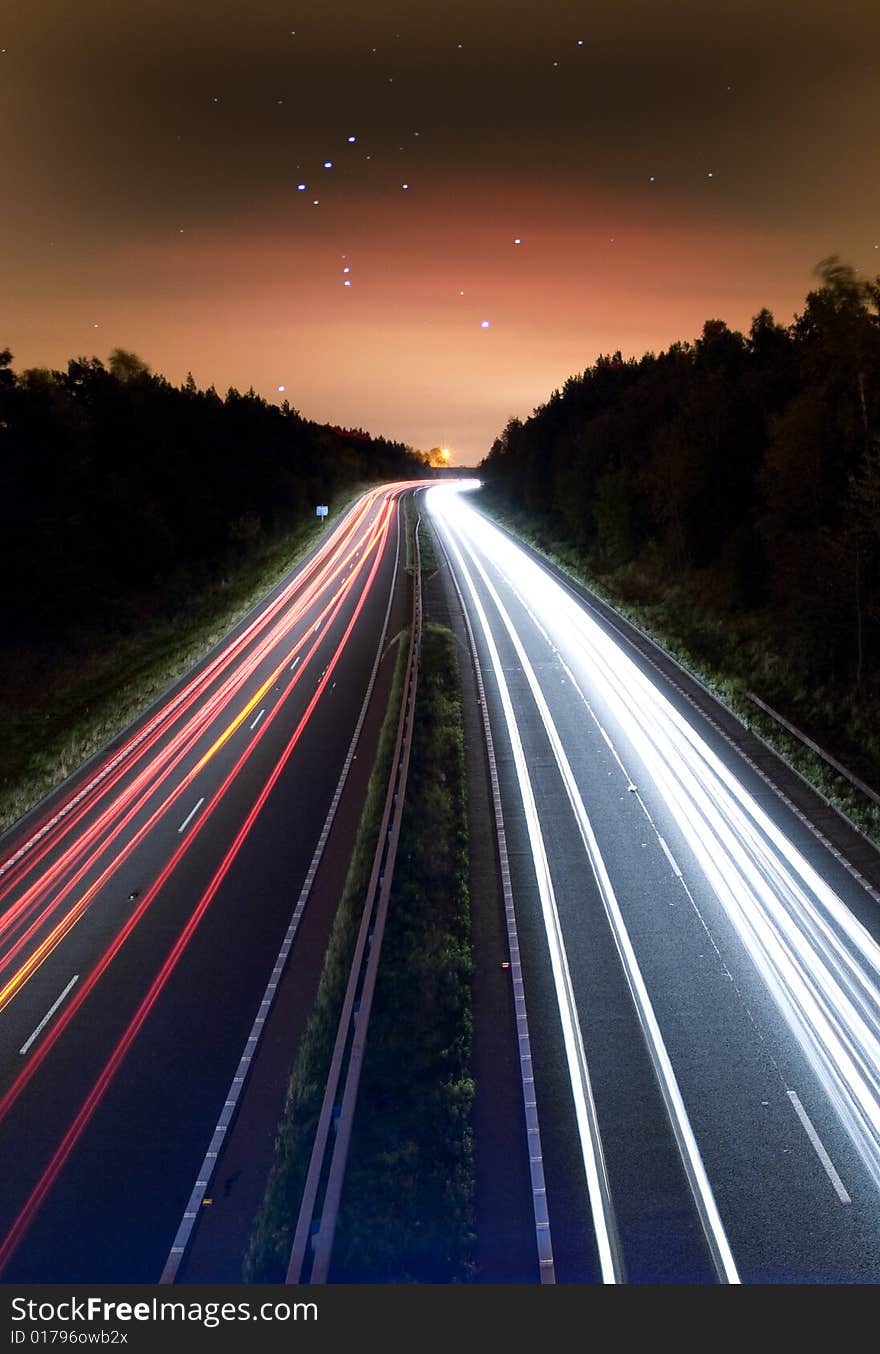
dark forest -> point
(740, 475)
(120, 493)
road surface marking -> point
(258, 718)
(192, 813)
(592, 1152)
(670, 857)
(295, 661)
(184, 1231)
(695, 1169)
(49, 1014)
(819, 1146)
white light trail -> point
(684, 1134)
(579, 1076)
(818, 962)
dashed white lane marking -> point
(295, 661)
(49, 1014)
(192, 813)
(669, 856)
(819, 1146)
(258, 718)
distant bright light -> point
(351, 140)
(404, 185)
(517, 240)
(328, 164)
(281, 389)
(346, 269)
(347, 282)
(484, 324)
(301, 187)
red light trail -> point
(359, 558)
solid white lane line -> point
(258, 718)
(598, 1186)
(49, 1014)
(192, 813)
(819, 1147)
(544, 1242)
(689, 1150)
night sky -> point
(513, 189)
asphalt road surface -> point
(701, 974)
(143, 905)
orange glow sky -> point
(680, 162)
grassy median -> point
(407, 1206)
(268, 1251)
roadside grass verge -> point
(407, 1211)
(731, 653)
(58, 709)
(271, 1238)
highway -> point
(701, 975)
(143, 906)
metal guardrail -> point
(814, 747)
(316, 1224)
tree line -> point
(747, 464)
(120, 492)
